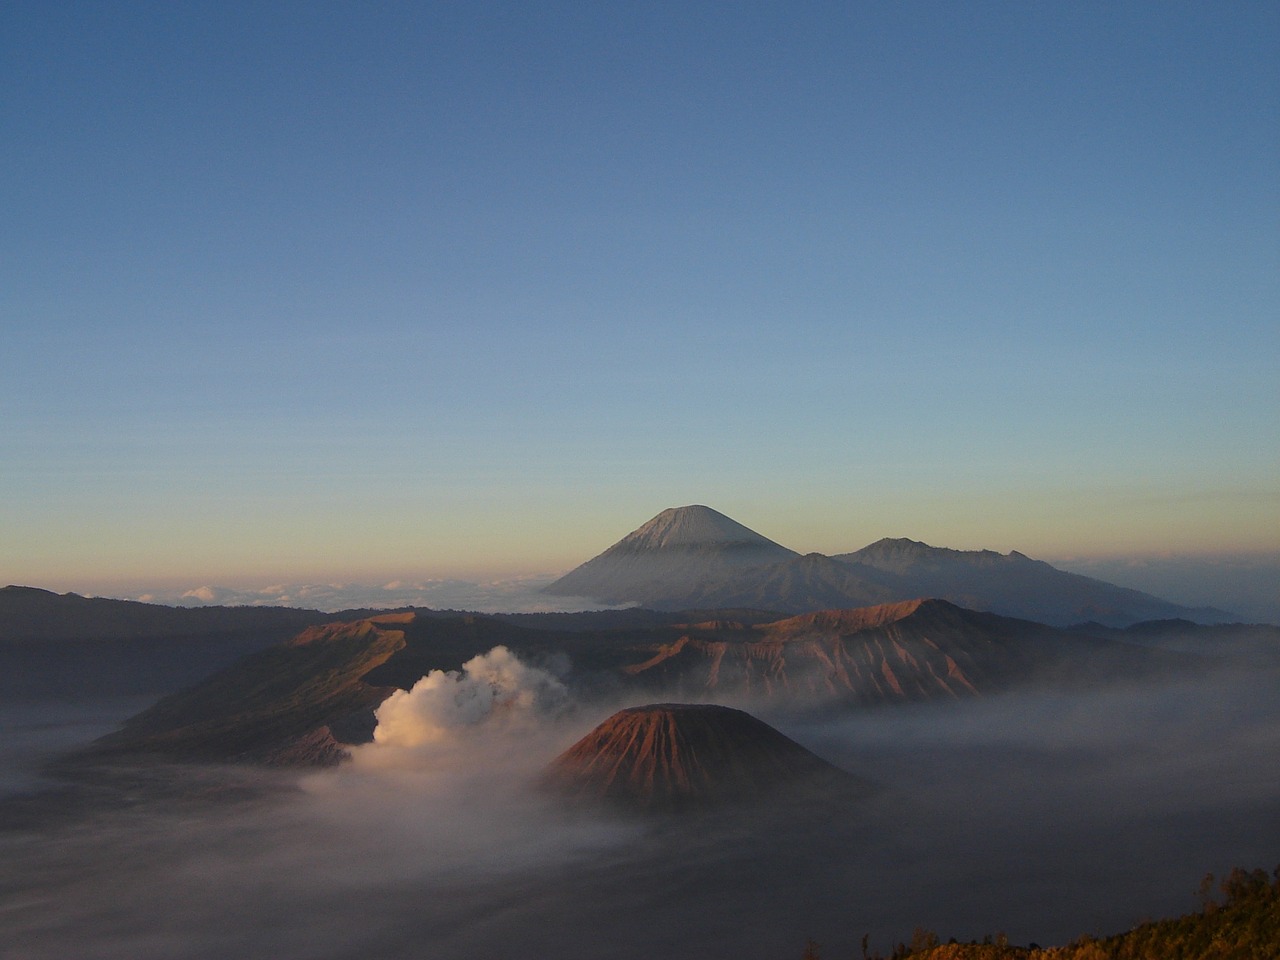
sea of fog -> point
(1042, 816)
(1247, 585)
(513, 595)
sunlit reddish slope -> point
(914, 650)
(676, 755)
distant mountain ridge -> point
(52, 645)
(1015, 585)
(916, 650)
(301, 701)
(693, 556)
(29, 614)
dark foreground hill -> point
(71, 646)
(1246, 926)
(674, 756)
(690, 557)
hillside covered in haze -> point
(67, 645)
(303, 700)
(693, 556)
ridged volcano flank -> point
(913, 650)
(938, 614)
(677, 755)
(680, 547)
(694, 526)
(851, 621)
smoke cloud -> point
(493, 688)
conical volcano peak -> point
(680, 547)
(693, 526)
(695, 558)
(679, 755)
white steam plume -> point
(493, 687)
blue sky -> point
(370, 290)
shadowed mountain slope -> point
(272, 703)
(64, 645)
(1016, 585)
(300, 701)
(695, 557)
(810, 582)
(670, 756)
(318, 688)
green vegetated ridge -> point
(1244, 926)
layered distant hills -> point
(694, 557)
(68, 646)
(728, 614)
(31, 615)
(302, 701)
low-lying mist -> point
(512, 595)
(1043, 816)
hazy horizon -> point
(1247, 585)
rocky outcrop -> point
(315, 749)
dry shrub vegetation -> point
(1245, 925)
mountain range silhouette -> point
(695, 557)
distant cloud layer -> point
(518, 595)
(1247, 585)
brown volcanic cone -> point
(678, 755)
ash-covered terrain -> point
(628, 783)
